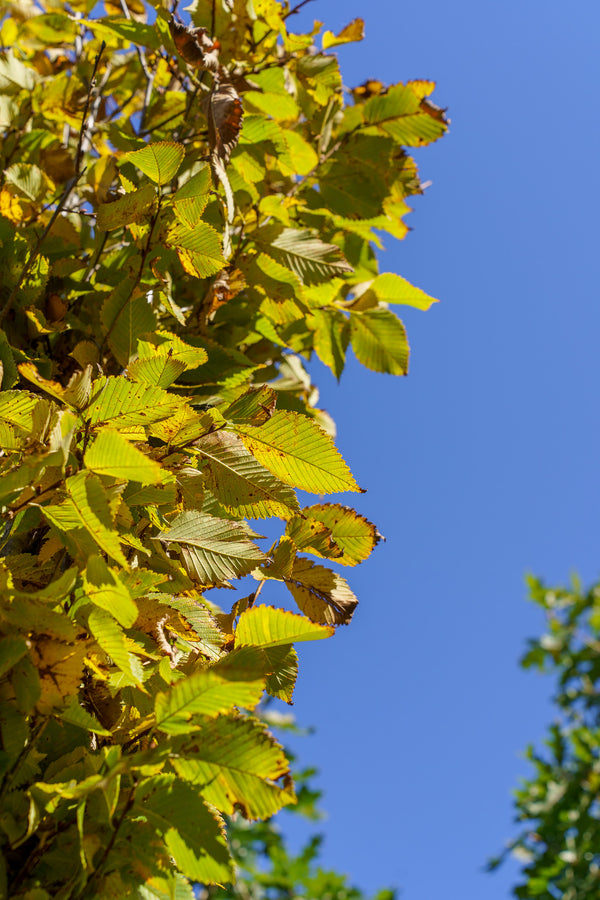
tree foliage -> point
(559, 844)
(188, 213)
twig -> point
(213, 18)
(296, 9)
(82, 130)
(92, 266)
(144, 64)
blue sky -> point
(482, 464)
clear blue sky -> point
(483, 463)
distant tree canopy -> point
(559, 844)
(188, 214)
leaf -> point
(281, 681)
(213, 550)
(126, 314)
(323, 595)
(160, 161)
(105, 589)
(207, 693)
(354, 31)
(75, 714)
(111, 639)
(87, 510)
(199, 248)
(379, 341)
(135, 207)
(122, 404)
(111, 454)
(331, 333)
(160, 370)
(264, 626)
(351, 532)
(235, 767)
(391, 288)
(299, 453)
(14, 75)
(302, 251)
(224, 121)
(253, 407)
(193, 835)
(239, 482)
(404, 114)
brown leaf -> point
(224, 121)
(195, 46)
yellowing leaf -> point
(213, 550)
(323, 595)
(264, 626)
(235, 767)
(391, 288)
(118, 402)
(112, 454)
(351, 532)
(379, 341)
(126, 314)
(354, 31)
(299, 453)
(204, 694)
(239, 482)
(160, 161)
(135, 207)
(104, 588)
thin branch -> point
(149, 75)
(82, 130)
(296, 9)
(213, 18)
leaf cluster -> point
(188, 214)
(558, 805)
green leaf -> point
(331, 333)
(112, 640)
(323, 595)
(160, 370)
(235, 767)
(252, 407)
(105, 589)
(379, 341)
(126, 314)
(122, 404)
(299, 453)
(193, 835)
(351, 532)
(302, 251)
(264, 626)
(239, 482)
(207, 693)
(160, 161)
(112, 454)
(135, 207)
(391, 288)
(212, 550)
(75, 714)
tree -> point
(559, 843)
(188, 213)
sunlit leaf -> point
(299, 453)
(160, 161)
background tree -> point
(559, 844)
(187, 215)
